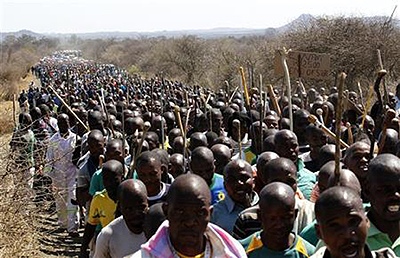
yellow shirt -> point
(102, 209)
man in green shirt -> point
(383, 191)
(277, 214)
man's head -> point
(316, 138)
(95, 120)
(324, 174)
(356, 159)
(277, 211)
(188, 209)
(63, 123)
(113, 173)
(271, 122)
(154, 218)
(114, 150)
(238, 181)
(149, 170)
(96, 143)
(391, 140)
(198, 139)
(202, 163)
(300, 122)
(153, 140)
(222, 155)
(346, 178)
(216, 118)
(341, 222)
(176, 165)
(280, 170)
(133, 204)
(383, 187)
(286, 144)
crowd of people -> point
(157, 168)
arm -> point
(102, 245)
(87, 236)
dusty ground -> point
(26, 230)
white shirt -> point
(117, 241)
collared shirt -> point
(225, 212)
(256, 249)
(382, 253)
(248, 222)
(376, 239)
(217, 188)
(306, 179)
(102, 209)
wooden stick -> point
(385, 92)
(284, 53)
(69, 108)
(274, 100)
(314, 120)
(261, 114)
(14, 111)
(390, 114)
(236, 124)
(367, 105)
(233, 94)
(338, 122)
(361, 94)
(146, 128)
(246, 92)
(349, 133)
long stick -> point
(385, 92)
(284, 54)
(68, 107)
(261, 114)
(367, 105)
(338, 122)
(14, 111)
(236, 124)
(274, 100)
(246, 92)
(314, 120)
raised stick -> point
(349, 133)
(146, 128)
(274, 100)
(314, 120)
(69, 108)
(236, 124)
(367, 105)
(338, 122)
(284, 53)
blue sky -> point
(76, 16)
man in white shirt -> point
(124, 235)
(60, 168)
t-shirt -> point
(117, 241)
(102, 209)
(161, 196)
(96, 183)
(217, 188)
(256, 249)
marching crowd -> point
(157, 168)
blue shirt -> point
(226, 211)
(217, 188)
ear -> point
(164, 168)
(165, 209)
(318, 231)
(211, 210)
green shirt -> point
(255, 248)
(306, 179)
(376, 239)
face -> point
(239, 185)
(96, 147)
(150, 175)
(134, 210)
(188, 219)
(114, 152)
(220, 162)
(63, 124)
(235, 132)
(271, 122)
(384, 194)
(216, 122)
(358, 160)
(111, 182)
(205, 170)
(300, 125)
(284, 176)
(288, 148)
(277, 220)
(344, 232)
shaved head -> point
(189, 185)
(131, 188)
(347, 178)
(276, 193)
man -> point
(176, 165)
(187, 231)
(149, 170)
(216, 120)
(277, 170)
(124, 235)
(239, 184)
(277, 214)
(287, 146)
(316, 138)
(222, 155)
(343, 226)
(383, 184)
(202, 164)
(104, 203)
(356, 159)
(88, 165)
(60, 168)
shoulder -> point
(249, 213)
(100, 195)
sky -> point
(77, 16)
